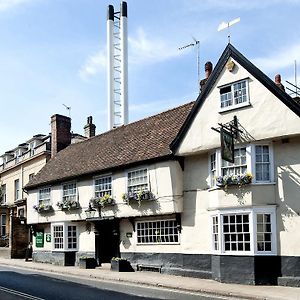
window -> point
(64, 236)
(17, 189)
(58, 236)
(72, 237)
(264, 232)
(3, 225)
(45, 196)
(236, 232)
(137, 180)
(239, 166)
(18, 154)
(103, 186)
(157, 232)
(3, 194)
(31, 148)
(215, 233)
(254, 159)
(69, 191)
(262, 163)
(234, 95)
(213, 169)
(251, 231)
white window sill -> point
(233, 107)
(250, 253)
(252, 183)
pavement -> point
(189, 284)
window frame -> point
(234, 106)
(252, 212)
(136, 170)
(157, 243)
(102, 177)
(65, 240)
(17, 189)
(250, 161)
(4, 197)
(3, 225)
(67, 197)
(46, 201)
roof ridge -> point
(137, 121)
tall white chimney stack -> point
(124, 63)
(110, 65)
(117, 70)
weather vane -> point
(225, 25)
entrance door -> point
(107, 240)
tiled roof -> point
(136, 142)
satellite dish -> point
(225, 25)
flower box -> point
(120, 265)
(87, 263)
(41, 208)
(138, 196)
(106, 200)
(238, 179)
(68, 204)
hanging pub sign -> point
(227, 145)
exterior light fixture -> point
(90, 212)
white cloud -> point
(8, 4)
(278, 60)
(149, 50)
(142, 50)
(94, 64)
(234, 4)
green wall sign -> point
(39, 239)
(48, 237)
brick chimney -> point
(278, 82)
(208, 67)
(89, 128)
(60, 133)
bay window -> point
(255, 159)
(244, 232)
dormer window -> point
(32, 145)
(18, 154)
(234, 95)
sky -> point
(53, 53)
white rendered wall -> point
(267, 117)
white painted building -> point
(199, 220)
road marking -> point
(14, 292)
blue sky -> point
(53, 52)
